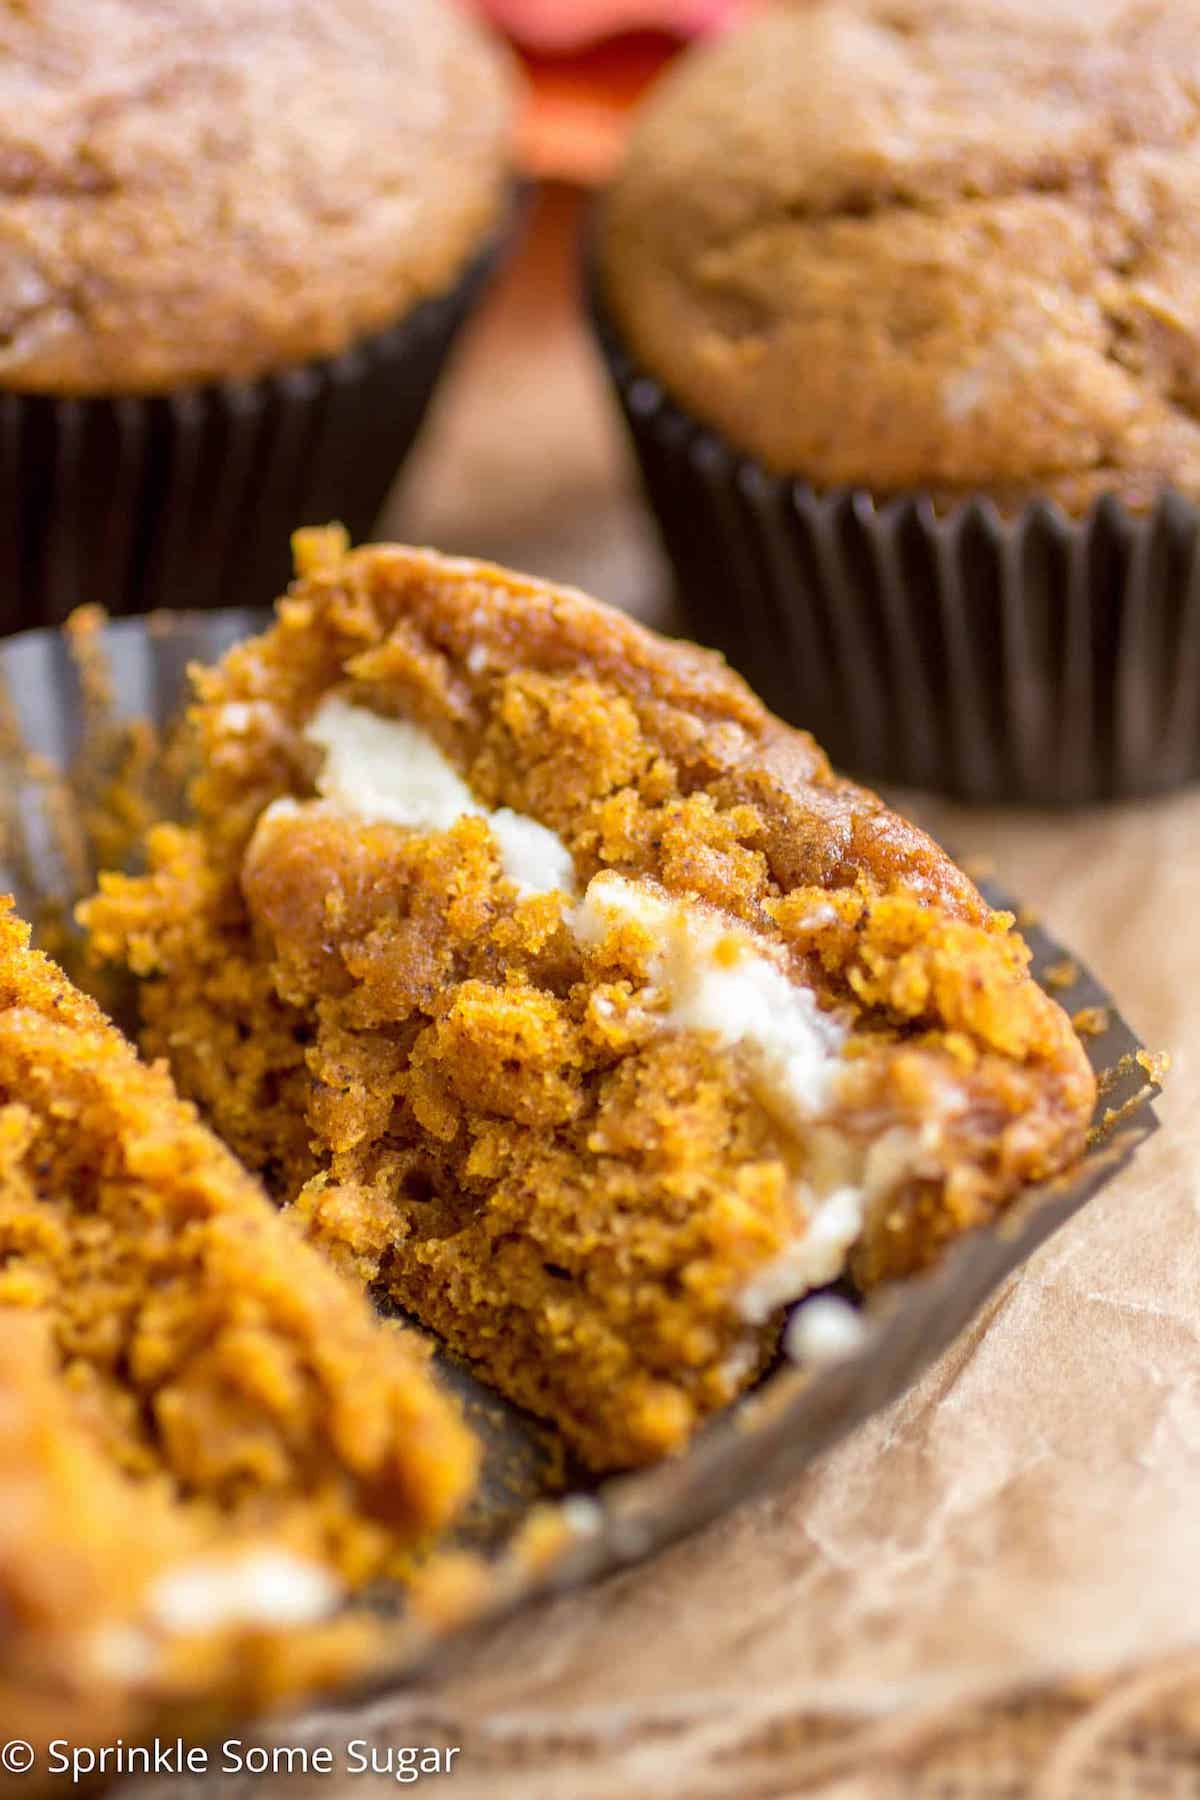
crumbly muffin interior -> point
(207, 1351)
(549, 1122)
(121, 1607)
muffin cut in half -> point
(568, 995)
(208, 1436)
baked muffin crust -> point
(594, 1138)
(944, 245)
(203, 190)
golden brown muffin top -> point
(200, 190)
(935, 244)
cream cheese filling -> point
(264, 1587)
(392, 773)
(257, 1589)
(708, 974)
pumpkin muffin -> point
(272, 218)
(901, 301)
(567, 996)
(949, 247)
(230, 1388)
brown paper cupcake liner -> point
(188, 499)
(71, 715)
(1035, 659)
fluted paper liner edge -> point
(1034, 659)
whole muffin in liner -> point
(98, 709)
(900, 303)
(232, 264)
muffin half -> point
(209, 1438)
(569, 996)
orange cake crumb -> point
(97, 1570)
(189, 1394)
(565, 993)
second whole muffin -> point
(236, 239)
(942, 258)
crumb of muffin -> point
(1091, 1021)
(755, 1031)
(1061, 975)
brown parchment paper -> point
(1004, 1569)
